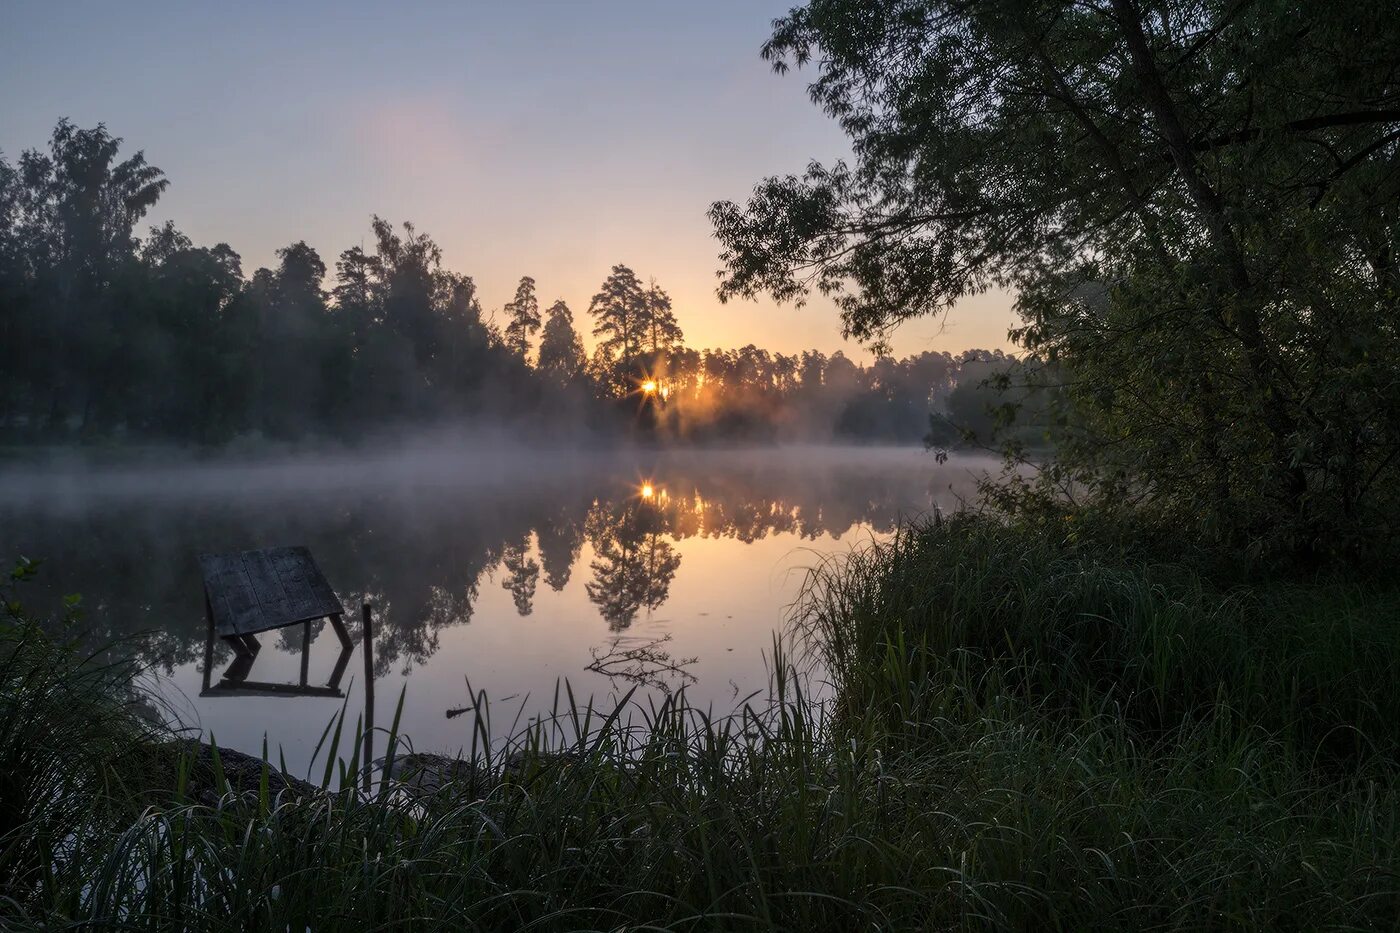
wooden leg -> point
(346, 648)
(208, 642)
(339, 626)
(305, 650)
(239, 646)
(237, 672)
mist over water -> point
(506, 567)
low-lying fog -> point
(67, 480)
(507, 567)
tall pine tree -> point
(524, 318)
(661, 330)
(619, 309)
(561, 350)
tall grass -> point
(997, 613)
(1025, 735)
(75, 752)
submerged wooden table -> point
(256, 591)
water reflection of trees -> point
(643, 662)
(421, 557)
(633, 563)
(522, 574)
(560, 538)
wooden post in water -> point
(365, 613)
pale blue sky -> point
(534, 137)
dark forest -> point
(112, 334)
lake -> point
(490, 569)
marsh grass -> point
(1025, 734)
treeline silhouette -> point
(106, 334)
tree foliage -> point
(104, 332)
(523, 318)
(1197, 201)
(561, 349)
(619, 311)
(69, 249)
(661, 330)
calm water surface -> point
(502, 572)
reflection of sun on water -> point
(654, 493)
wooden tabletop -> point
(253, 591)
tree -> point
(184, 343)
(408, 264)
(356, 274)
(1197, 203)
(561, 350)
(619, 310)
(71, 214)
(660, 329)
(467, 354)
(16, 320)
(523, 315)
(293, 346)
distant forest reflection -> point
(424, 553)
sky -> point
(532, 137)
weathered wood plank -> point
(253, 591)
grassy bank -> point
(1026, 734)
